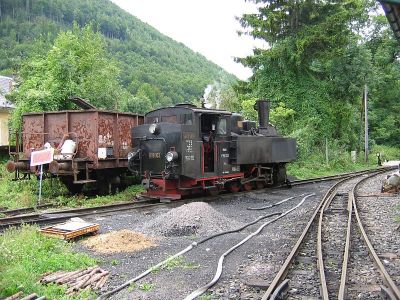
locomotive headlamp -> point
(130, 155)
(154, 128)
(171, 156)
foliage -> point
(320, 57)
(23, 193)
(177, 262)
(152, 65)
(76, 65)
(314, 164)
(146, 287)
(74, 201)
(25, 254)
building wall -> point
(4, 133)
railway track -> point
(21, 216)
(322, 264)
(42, 219)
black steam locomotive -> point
(184, 150)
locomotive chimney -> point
(262, 107)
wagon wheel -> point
(248, 186)
(234, 187)
(260, 185)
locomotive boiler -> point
(185, 150)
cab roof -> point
(192, 108)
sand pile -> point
(119, 241)
(197, 218)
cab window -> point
(169, 119)
(221, 126)
(151, 120)
(187, 119)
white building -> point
(6, 85)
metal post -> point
(326, 151)
(40, 183)
(366, 123)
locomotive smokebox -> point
(262, 107)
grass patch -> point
(146, 287)
(74, 201)
(177, 262)
(339, 162)
(23, 193)
(25, 254)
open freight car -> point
(91, 146)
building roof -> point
(6, 85)
(392, 11)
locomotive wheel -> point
(234, 187)
(260, 185)
(248, 186)
(212, 192)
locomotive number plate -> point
(153, 155)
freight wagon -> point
(90, 146)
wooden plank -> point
(68, 235)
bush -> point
(25, 254)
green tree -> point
(76, 65)
(317, 65)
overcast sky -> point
(207, 26)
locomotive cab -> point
(184, 150)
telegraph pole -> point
(366, 122)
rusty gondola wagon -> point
(91, 146)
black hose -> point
(275, 204)
(187, 249)
(218, 273)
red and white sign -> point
(42, 157)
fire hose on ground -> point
(203, 289)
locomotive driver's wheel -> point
(234, 187)
(248, 186)
(260, 185)
(212, 192)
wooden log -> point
(53, 277)
(14, 297)
(82, 283)
(80, 275)
(95, 278)
(102, 282)
(30, 297)
(68, 276)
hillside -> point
(151, 63)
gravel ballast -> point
(246, 270)
(196, 218)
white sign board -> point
(42, 157)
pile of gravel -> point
(196, 218)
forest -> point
(152, 69)
(322, 54)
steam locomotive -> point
(184, 150)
